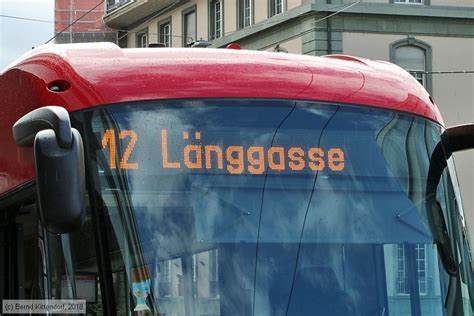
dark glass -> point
(268, 207)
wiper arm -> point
(434, 213)
(402, 218)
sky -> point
(19, 36)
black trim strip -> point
(18, 195)
(299, 99)
(99, 223)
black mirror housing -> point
(60, 181)
(60, 172)
(461, 137)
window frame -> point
(139, 37)
(161, 24)
(184, 14)
(212, 19)
(416, 73)
(213, 272)
(424, 267)
(402, 288)
(241, 18)
(410, 40)
(272, 7)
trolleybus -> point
(228, 182)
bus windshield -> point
(267, 207)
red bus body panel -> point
(102, 73)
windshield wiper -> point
(434, 211)
(306, 216)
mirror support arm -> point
(48, 117)
(461, 137)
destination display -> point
(222, 168)
(196, 153)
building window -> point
(164, 282)
(164, 30)
(245, 13)
(215, 19)
(214, 273)
(195, 267)
(419, 76)
(142, 38)
(420, 255)
(413, 60)
(166, 270)
(189, 26)
(416, 57)
(113, 4)
(409, 1)
(403, 284)
(276, 7)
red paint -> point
(102, 73)
(233, 46)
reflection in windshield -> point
(236, 207)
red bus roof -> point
(102, 73)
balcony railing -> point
(123, 13)
(115, 4)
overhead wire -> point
(75, 21)
(150, 19)
(315, 22)
(90, 28)
(300, 16)
(446, 72)
(349, 5)
(23, 18)
(345, 7)
(158, 34)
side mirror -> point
(461, 137)
(454, 139)
(59, 160)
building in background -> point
(89, 27)
(422, 36)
